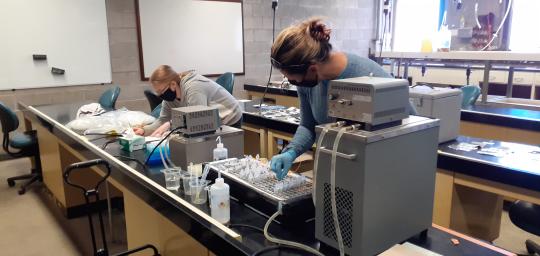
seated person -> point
(189, 89)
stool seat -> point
(526, 216)
(470, 95)
(226, 81)
(109, 97)
(22, 140)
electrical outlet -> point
(57, 71)
(39, 56)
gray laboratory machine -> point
(195, 120)
(441, 103)
(384, 177)
(196, 141)
(369, 100)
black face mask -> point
(168, 95)
(305, 83)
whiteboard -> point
(206, 36)
(72, 33)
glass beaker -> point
(172, 178)
(198, 191)
(186, 179)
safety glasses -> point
(295, 69)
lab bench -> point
(270, 131)
(501, 123)
(166, 218)
(470, 187)
(489, 121)
(276, 94)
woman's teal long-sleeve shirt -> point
(314, 102)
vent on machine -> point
(344, 205)
(364, 90)
(201, 114)
(201, 128)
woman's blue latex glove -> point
(281, 163)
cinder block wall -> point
(352, 22)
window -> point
(416, 20)
(524, 33)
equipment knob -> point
(345, 102)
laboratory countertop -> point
(502, 116)
(517, 164)
(488, 114)
(271, 90)
(505, 162)
(147, 183)
(284, 125)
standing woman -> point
(189, 89)
(304, 55)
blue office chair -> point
(152, 98)
(227, 81)
(156, 112)
(527, 217)
(109, 97)
(470, 95)
(19, 145)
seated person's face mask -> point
(168, 95)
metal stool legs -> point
(94, 193)
(35, 175)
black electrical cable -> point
(274, 7)
(266, 249)
(132, 159)
(383, 37)
(104, 146)
(106, 134)
(102, 137)
(246, 226)
(265, 89)
(161, 141)
(278, 247)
